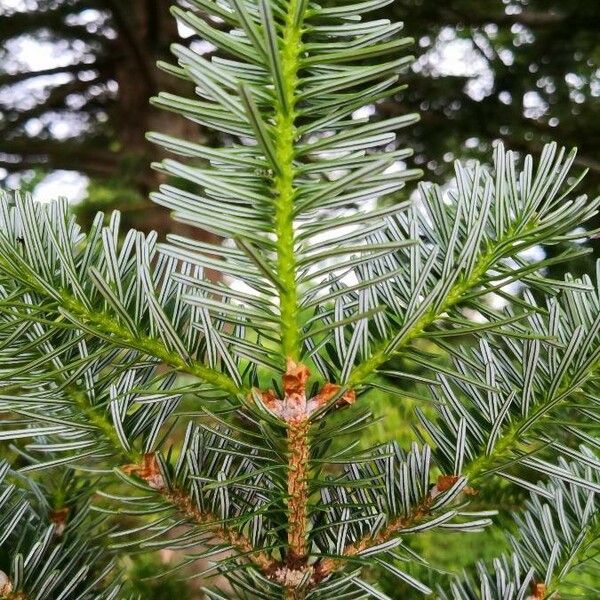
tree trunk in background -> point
(104, 89)
(147, 29)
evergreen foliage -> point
(186, 401)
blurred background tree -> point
(76, 75)
(75, 79)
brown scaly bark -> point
(298, 471)
(295, 409)
(419, 514)
(149, 471)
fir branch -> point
(240, 542)
(325, 567)
(104, 325)
(149, 471)
(499, 236)
(49, 549)
(370, 523)
(147, 468)
(393, 347)
(513, 425)
(61, 303)
(83, 413)
(557, 538)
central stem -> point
(298, 492)
(297, 435)
(285, 196)
(285, 190)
